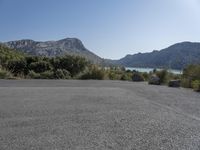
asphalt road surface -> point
(97, 115)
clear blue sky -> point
(109, 28)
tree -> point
(74, 64)
(17, 66)
(40, 66)
(62, 74)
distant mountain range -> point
(71, 46)
(176, 56)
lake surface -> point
(151, 69)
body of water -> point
(151, 69)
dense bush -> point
(43, 75)
(163, 76)
(33, 75)
(74, 64)
(114, 76)
(47, 75)
(137, 76)
(7, 55)
(126, 76)
(17, 66)
(94, 73)
(62, 74)
(37, 67)
(5, 74)
(196, 85)
(192, 72)
(186, 83)
(145, 76)
(40, 66)
(191, 76)
(117, 74)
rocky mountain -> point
(71, 46)
(176, 56)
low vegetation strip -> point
(18, 65)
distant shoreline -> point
(141, 69)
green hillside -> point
(7, 54)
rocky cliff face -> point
(71, 46)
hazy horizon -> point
(110, 29)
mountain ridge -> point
(176, 56)
(71, 46)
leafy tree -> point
(94, 73)
(62, 74)
(16, 66)
(74, 64)
(40, 66)
(7, 54)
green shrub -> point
(146, 76)
(163, 76)
(94, 73)
(43, 75)
(137, 77)
(74, 64)
(17, 66)
(191, 77)
(31, 59)
(21, 65)
(126, 77)
(115, 74)
(186, 83)
(5, 74)
(192, 72)
(47, 75)
(196, 85)
(40, 66)
(7, 54)
(33, 75)
(62, 74)
(112, 76)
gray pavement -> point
(101, 115)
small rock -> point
(154, 80)
(137, 77)
(174, 83)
